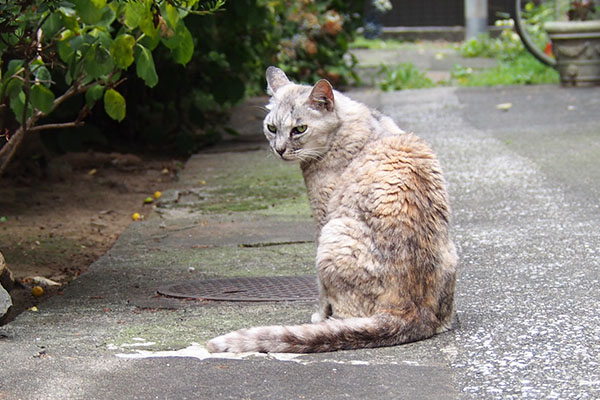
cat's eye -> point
(272, 128)
(299, 129)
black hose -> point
(515, 13)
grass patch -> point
(261, 184)
(524, 69)
(375, 44)
(403, 76)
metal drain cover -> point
(273, 288)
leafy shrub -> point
(314, 37)
(400, 77)
(188, 107)
(114, 52)
(54, 51)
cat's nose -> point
(280, 151)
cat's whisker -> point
(316, 153)
(262, 108)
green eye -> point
(272, 128)
(299, 129)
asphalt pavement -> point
(524, 181)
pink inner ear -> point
(322, 95)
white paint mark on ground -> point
(193, 351)
(199, 352)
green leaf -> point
(122, 50)
(14, 88)
(41, 73)
(108, 17)
(97, 61)
(13, 67)
(114, 105)
(181, 44)
(78, 42)
(150, 42)
(146, 25)
(41, 98)
(93, 94)
(101, 36)
(69, 21)
(144, 65)
(90, 11)
(17, 104)
(52, 25)
(102, 55)
(98, 3)
(65, 51)
(171, 14)
(134, 13)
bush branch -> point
(60, 125)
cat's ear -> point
(321, 97)
(276, 78)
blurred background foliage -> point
(186, 108)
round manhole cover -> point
(273, 288)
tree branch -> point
(61, 125)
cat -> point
(386, 264)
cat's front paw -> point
(316, 318)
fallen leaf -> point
(504, 106)
(40, 281)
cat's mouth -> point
(288, 157)
(285, 155)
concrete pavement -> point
(524, 188)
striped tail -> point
(330, 335)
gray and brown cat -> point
(386, 264)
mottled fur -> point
(385, 261)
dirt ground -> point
(56, 224)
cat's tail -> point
(329, 335)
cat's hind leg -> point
(349, 276)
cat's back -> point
(395, 180)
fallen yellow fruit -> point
(157, 194)
(136, 216)
(37, 291)
(148, 200)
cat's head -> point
(300, 119)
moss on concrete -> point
(176, 329)
(262, 183)
(230, 261)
